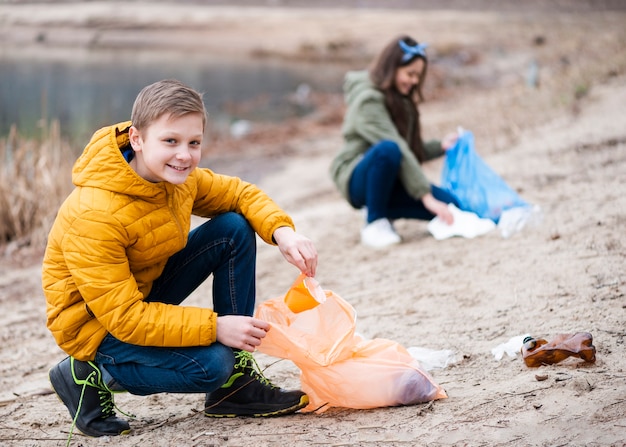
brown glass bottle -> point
(537, 352)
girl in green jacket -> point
(378, 167)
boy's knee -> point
(236, 221)
(221, 360)
(236, 226)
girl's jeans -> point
(374, 184)
(224, 246)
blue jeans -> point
(375, 185)
(224, 246)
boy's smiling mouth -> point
(178, 168)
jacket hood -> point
(103, 166)
(356, 83)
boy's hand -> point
(297, 250)
(241, 332)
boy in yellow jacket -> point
(121, 259)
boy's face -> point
(168, 149)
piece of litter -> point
(432, 359)
(466, 224)
(511, 347)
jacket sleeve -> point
(374, 124)
(94, 248)
(433, 149)
(218, 194)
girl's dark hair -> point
(383, 73)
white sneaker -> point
(379, 234)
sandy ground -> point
(561, 145)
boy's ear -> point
(135, 138)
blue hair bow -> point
(412, 51)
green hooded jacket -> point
(368, 122)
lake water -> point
(85, 93)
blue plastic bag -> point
(477, 187)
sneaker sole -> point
(242, 411)
(62, 386)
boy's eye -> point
(170, 141)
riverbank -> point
(559, 141)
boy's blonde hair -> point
(169, 96)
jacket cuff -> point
(213, 327)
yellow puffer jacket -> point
(112, 237)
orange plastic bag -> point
(339, 368)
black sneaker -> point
(249, 393)
(79, 385)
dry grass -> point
(34, 180)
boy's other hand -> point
(241, 332)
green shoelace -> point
(107, 403)
(244, 360)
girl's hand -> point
(449, 141)
(241, 332)
(438, 208)
(297, 250)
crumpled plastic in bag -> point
(466, 224)
(511, 347)
(338, 367)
